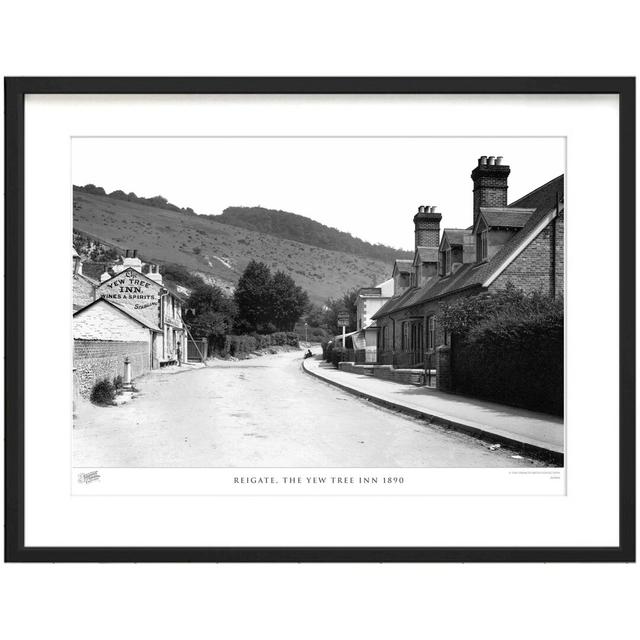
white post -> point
(127, 375)
(306, 335)
(344, 337)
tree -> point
(348, 302)
(180, 275)
(316, 316)
(288, 301)
(253, 297)
(212, 313)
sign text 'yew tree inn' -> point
(517, 247)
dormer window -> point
(445, 261)
(481, 245)
(482, 240)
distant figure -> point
(179, 353)
(308, 354)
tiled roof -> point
(455, 236)
(543, 200)
(506, 216)
(427, 254)
(403, 265)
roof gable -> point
(504, 217)
(455, 237)
(127, 312)
(425, 254)
(123, 274)
(402, 266)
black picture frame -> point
(15, 91)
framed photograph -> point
(320, 319)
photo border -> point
(15, 91)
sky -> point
(370, 187)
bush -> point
(103, 393)
(338, 354)
(319, 334)
(327, 351)
(117, 383)
(239, 345)
(509, 348)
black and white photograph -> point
(362, 318)
(318, 302)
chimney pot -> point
(135, 253)
(499, 160)
(433, 209)
(421, 209)
(489, 185)
(482, 160)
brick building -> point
(520, 243)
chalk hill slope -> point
(220, 251)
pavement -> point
(265, 412)
(539, 433)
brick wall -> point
(428, 235)
(532, 269)
(443, 368)
(95, 360)
(559, 254)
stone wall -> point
(95, 360)
(385, 372)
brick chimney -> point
(489, 184)
(427, 227)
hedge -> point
(521, 364)
(233, 345)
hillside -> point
(218, 251)
(292, 226)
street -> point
(263, 412)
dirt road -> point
(263, 412)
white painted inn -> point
(128, 314)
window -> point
(405, 336)
(481, 245)
(431, 333)
(447, 262)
